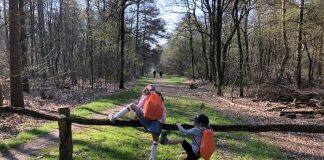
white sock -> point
(154, 150)
(121, 112)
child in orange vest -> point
(152, 126)
(201, 122)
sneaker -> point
(164, 138)
(111, 118)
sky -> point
(170, 13)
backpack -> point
(207, 144)
(152, 108)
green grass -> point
(84, 111)
(119, 143)
(174, 80)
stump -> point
(193, 85)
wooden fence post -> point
(65, 134)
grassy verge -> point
(84, 110)
(119, 143)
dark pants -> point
(191, 155)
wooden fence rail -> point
(131, 123)
(65, 121)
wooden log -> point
(278, 108)
(283, 113)
(27, 112)
(65, 134)
(217, 128)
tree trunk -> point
(41, 28)
(136, 38)
(121, 43)
(191, 49)
(212, 46)
(218, 39)
(15, 56)
(5, 18)
(90, 43)
(237, 24)
(310, 64)
(203, 43)
(284, 39)
(299, 45)
(246, 41)
(1, 95)
(23, 43)
(33, 53)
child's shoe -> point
(112, 119)
(164, 138)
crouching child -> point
(203, 144)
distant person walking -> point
(154, 73)
(161, 73)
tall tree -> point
(90, 42)
(299, 44)
(122, 42)
(238, 33)
(218, 39)
(284, 39)
(5, 25)
(15, 56)
(23, 43)
(211, 10)
(42, 36)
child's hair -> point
(151, 88)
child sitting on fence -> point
(203, 144)
(150, 111)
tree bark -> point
(15, 56)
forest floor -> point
(245, 111)
(242, 110)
